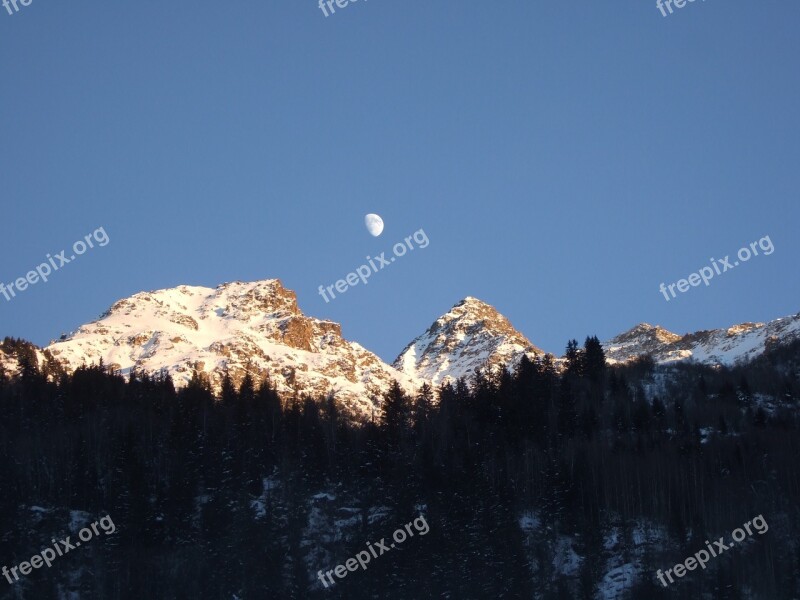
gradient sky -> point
(564, 158)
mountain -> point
(472, 335)
(258, 328)
(736, 344)
(235, 328)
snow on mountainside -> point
(257, 327)
(472, 335)
(11, 357)
(238, 327)
(739, 343)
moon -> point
(374, 224)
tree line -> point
(217, 495)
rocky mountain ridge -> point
(730, 346)
(258, 328)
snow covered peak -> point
(642, 339)
(267, 298)
(739, 343)
(258, 328)
(471, 311)
(473, 301)
(237, 327)
(471, 335)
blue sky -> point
(564, 158)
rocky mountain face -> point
(739, 343)
(235, 328)
(472, 335)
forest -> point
(556, 480)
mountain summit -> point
(235, 328)
(471, 335)
(739, 343)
